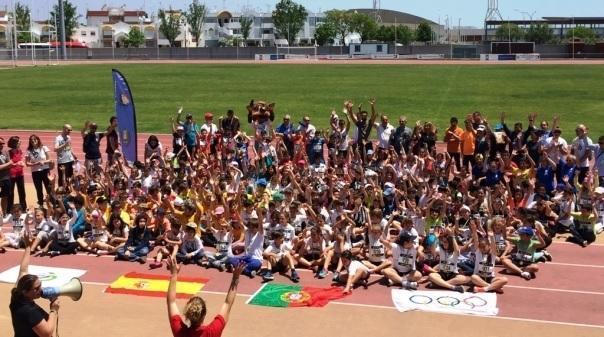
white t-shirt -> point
(484, 265)
(354, 266)
(224, 243)
(403, 259)
(279, 251)
(253, 244)
(210, 128)
(36, 156)
(448, 261)
(18, 224)
(581, 146)
(64, 155)
(288, 233)
(376, 252)
(314, 248)
(551, 145)
(383, 134)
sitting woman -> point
(138, 243)
(355, 273)
(522, 262)
(448, 276)
(43, 227)
(484, 278)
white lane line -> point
(574, 265)
(574, 244)
(557, 290)
(374, 306)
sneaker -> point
(268, 276)
(459, 289)
(547, 255)
(295, 277)
(155, 265)
(599, 228)
(479, 289)
(221, 267)
(525, 275)
(262, 272)
(321, 274)
(336, 277)
(142, 260)
(54, 253)
(252, 274)
(412, 285)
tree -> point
(134, 39)
(169, 25)
(404, 35)
(583, 33)
(246, 27)
(325, 34)
(195, 18)
(539, 33)
(385, 33)
(340, 23)
(22, 19)
(509, 32)
(71, 18)
(289, 18)
(423, 33)
(364, 25)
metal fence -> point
(248, 53)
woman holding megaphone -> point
(29, 319)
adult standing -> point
(286, 132)
(38, 158)
(191, 130)
(17, 178)
(598, 154)
(5, 165)
(229, 126)
(581, 148)
(92, 145)
(453, 141)
(195, 309)
(401, 138)
(113, 141)
(28, 318)
(384, 131)
(65, 156)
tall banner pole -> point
(126, 116)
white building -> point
(4, 30)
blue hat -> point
(388, 192)
(261, 182)
(430, 240)
(526, 231)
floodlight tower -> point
(376, 10)
(492, 14)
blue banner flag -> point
(126, 116)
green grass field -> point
(46, 97)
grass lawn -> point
(46, 97)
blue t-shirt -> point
(564, 169)
(190, 133)
(492, 178)
(545, 175)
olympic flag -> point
(126, 116)
(448, 302)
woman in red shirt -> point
(16, 172)
(195, 310)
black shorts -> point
(312, 256)
(4, 188)
(521, 263)
(447, 275)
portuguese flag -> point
(283, 295)
(155, 285)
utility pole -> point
(62, 22)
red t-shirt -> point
(214, 329)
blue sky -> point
(471, 12)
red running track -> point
(560, 293)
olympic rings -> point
(420, 299)
(472, 302)
(448, 301)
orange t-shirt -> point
(468, 143)
(452, 143)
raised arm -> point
(171, 296)
(225, 310)
(24, 267)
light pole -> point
(62, 22)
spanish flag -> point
(155, 285)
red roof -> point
(2, 13)
(135, 13)
(97, 13)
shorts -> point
(401, 274)
(4, 188)
(312, 256)
(447, 275)
(354, 267)
(521, 263)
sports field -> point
(44, 97)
